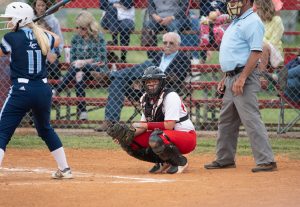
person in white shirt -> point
(165, 131)
(118, 18)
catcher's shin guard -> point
(167, 152)
(145, 154)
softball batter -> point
(28, 46)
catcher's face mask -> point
(152, 86)
(234, 7)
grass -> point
(288, 147)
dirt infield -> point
(118, 180)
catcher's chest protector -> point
(152, 108)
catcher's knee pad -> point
(156, 142)
(166, 152)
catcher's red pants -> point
(184, 141)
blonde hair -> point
(41, 37)
(265, 9)
(87, 20)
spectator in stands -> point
(171, 15)
(174, 63)
(39, 7)
(288, 80)
(119, 17)
(206, 6)
(213, 22)
(292, 90)
(52, 24)
(52, 64)
(88, 54)
(272, 49)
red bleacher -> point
(287, 4)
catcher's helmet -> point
(154, 73)
(20, 14)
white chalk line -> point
(102, 178)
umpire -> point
(240, 51)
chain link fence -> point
(106, 45)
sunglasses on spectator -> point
(82, 28)
(170, 43)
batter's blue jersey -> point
(27, 60)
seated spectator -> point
(88, 54)
(171, 15)
(272, 55)
(119, 17)
(192, 39)
(292, 90)
(39, 7)
(52, 64)
(213, 22)
(50, 23)
(174, 63)
(112, 57)
(289, 80)
(206, 6)
(165, 131)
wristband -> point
(155, 125)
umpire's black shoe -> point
(216, 165)
(267, 167)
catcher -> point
(165, 131)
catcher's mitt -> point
(122, 133)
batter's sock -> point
(1, 156)
(60, 157)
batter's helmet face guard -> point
(153, 73)
(18, 14)
(234, 7)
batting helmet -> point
(20, 14)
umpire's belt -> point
(234, 72)
(25, 80)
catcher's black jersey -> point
(27, 60)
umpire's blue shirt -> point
(242, 36)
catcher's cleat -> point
(178, 168)
(63, 174)
(216, 165)
(268, 167)
(159, 168)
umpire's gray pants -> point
(242, 109)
